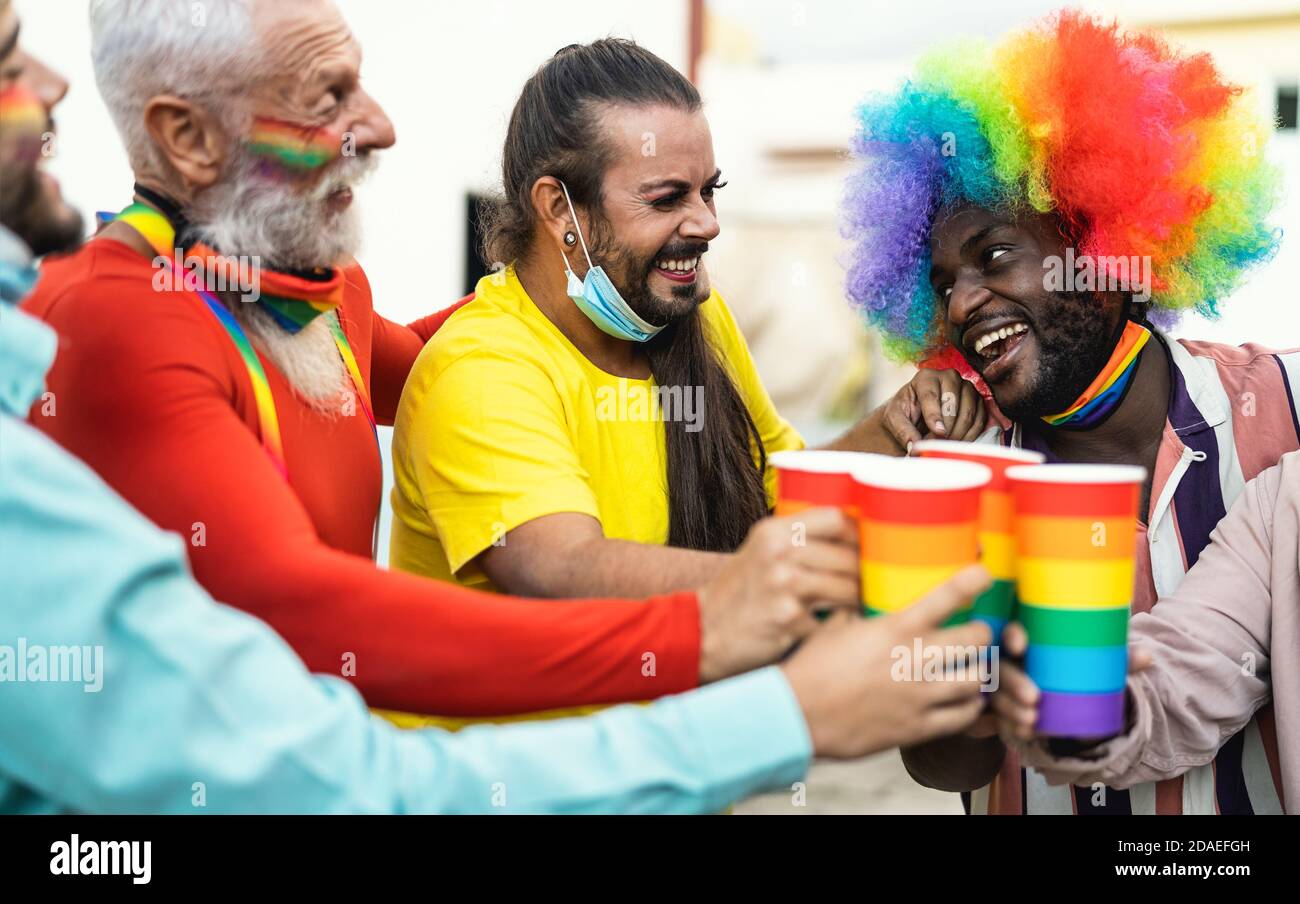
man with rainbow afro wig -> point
(1030, 217)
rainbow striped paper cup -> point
(919, 525)
(811, 478)
(1075, 531)
(995, 606)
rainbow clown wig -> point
(1136, 148)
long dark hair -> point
(715, 488)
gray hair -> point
(201, 50)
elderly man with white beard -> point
(249, 428)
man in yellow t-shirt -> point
(592, 422)
(494, 434)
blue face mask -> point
(596, 296)
(16, 281)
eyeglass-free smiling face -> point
(1037, 349)
(657, 214)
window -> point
(1286, 106)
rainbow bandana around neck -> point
(293, 299)
(1107, 391)
(160, 233)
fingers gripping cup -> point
(918, 523)
(1075, 534)
(995, 606)
(811, 478)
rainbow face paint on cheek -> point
(20, 109)
(23, 120)
(295, 148)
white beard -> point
(308, 359)
(251, 214)
(248, 214)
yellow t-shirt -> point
(503, 421)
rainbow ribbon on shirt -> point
(1106, 392)
(267, 421)
(160, 233)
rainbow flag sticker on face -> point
(1075, 529)
(995, 606)
(293, 147)
(918, 525)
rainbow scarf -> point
(298, 149)
(160, 233)
(292, 299)
(1107, 391)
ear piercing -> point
(570, 238)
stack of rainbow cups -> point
(997, 605)
(918, 519)
(1075, 528)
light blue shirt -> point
(198, 707)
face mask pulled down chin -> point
(596, 296)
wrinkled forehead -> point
(300, 36)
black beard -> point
(45, 227)
(55, 236)
(630, 274)
(1073, 348)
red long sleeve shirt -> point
(150, 391)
